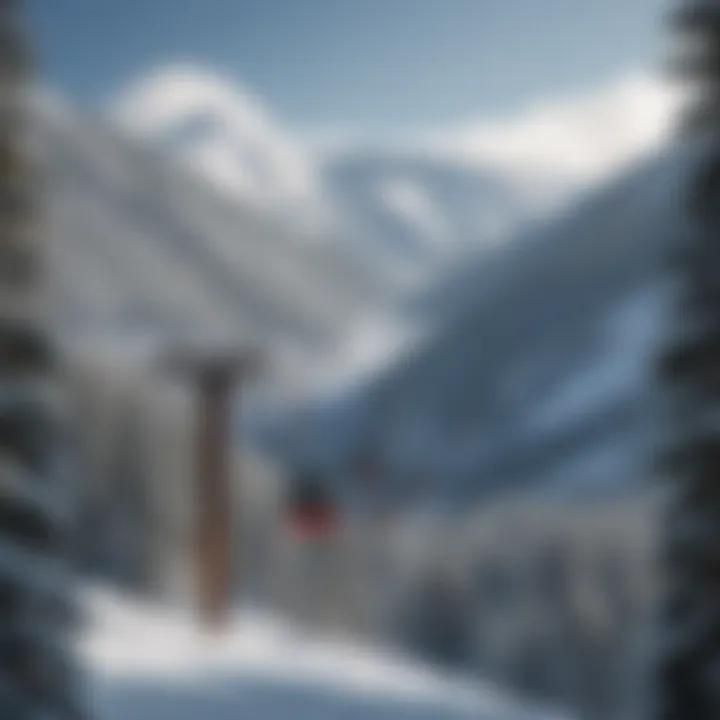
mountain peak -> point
(222, 129)
(166, 95)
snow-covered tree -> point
(688, 682)
(37, 678)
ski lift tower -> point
(214, 374)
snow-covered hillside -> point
(405, 213)
(437, 197)
(193, 231)
(538, 370)
(151, 663)
(418, 214)
(412, 204)
(142, 249)
(226, 134)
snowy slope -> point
(442, 196)
(405, 212)
(142, 248)
(537, 370)
(419, 213)
(145, 247)
(149, 663)
(411, 204)
(223, 131)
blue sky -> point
(384, 64)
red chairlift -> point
(311, 512)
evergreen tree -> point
(689, 678)
(37, 679)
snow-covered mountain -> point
(215, 222)
(404, 213)
(538, 370)
(535, 298)
(412, 205)
(143, 249)
(438, 197)
(224, 132)
(417, 214)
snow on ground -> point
(152, 663)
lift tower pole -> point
(214, 377)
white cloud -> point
(573, 139)
(586, 137)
